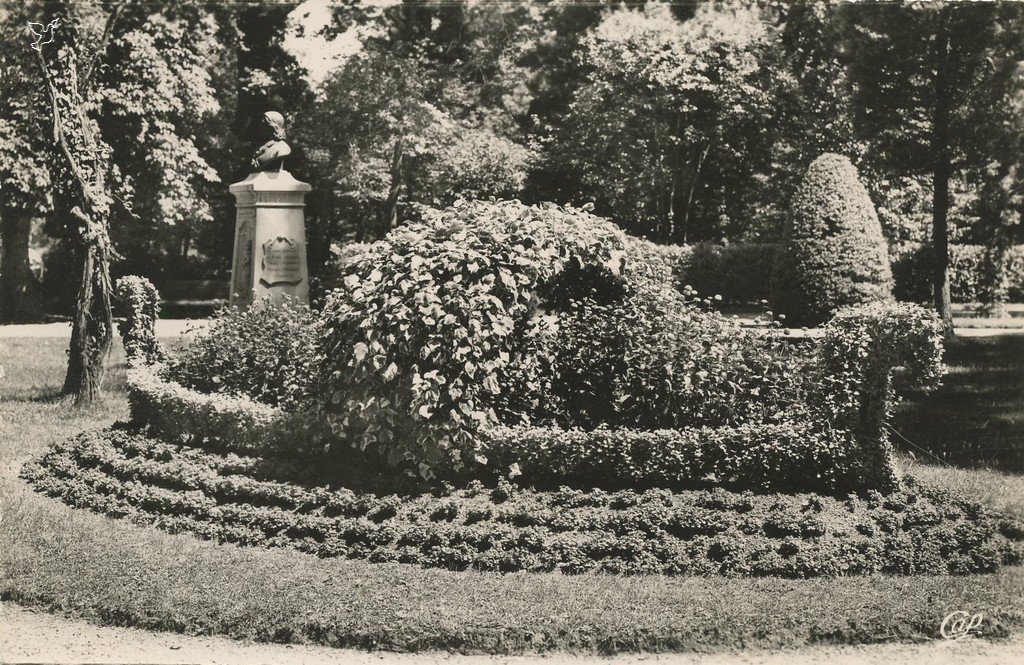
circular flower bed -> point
(366, 515)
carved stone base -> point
(270, 239)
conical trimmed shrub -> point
(833, 253)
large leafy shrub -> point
(332, 270)
(269, 353)
(833, 252)
(431, 320)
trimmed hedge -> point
(972, 277)
(737, 272)
(861, 350)
(829, 436)
(783, 457)
(141, 303)
(509, 528)
(833, 252)
(217, 421)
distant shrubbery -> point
(737, 272)
(974, 275)
(833, 253)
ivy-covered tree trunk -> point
(82, 197)
(19, 301)
(92, 326)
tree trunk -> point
(92, 327)
(19, 301)
(389, 211)
(702, 154)
(942, 170)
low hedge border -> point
(510, 528)
(783, 457)
(232, 423)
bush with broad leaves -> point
(432, 321)
(269, 353)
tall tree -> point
(81, 177)
(925, 77)
(24, 178)
(423, 113)
(668, 132)
(155, 103)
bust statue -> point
(270, 155)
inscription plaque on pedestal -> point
(281, 262)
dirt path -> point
(32, 637)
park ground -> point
(83, 566)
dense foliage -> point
(977, 274)
(638, 354)
(141, 307)
(269, 353)
(739, 273)
(499, 313)
(833, 252)
(508, 528)
(433, 318)
(693, 101)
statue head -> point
(273, 123)
(272, 147)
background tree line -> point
(682, 123)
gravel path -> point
(32, 637)
(164, 328)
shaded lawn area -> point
(976, 419)
(82, 564)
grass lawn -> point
(976, 419)
(82, 564)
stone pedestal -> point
(270, 239)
